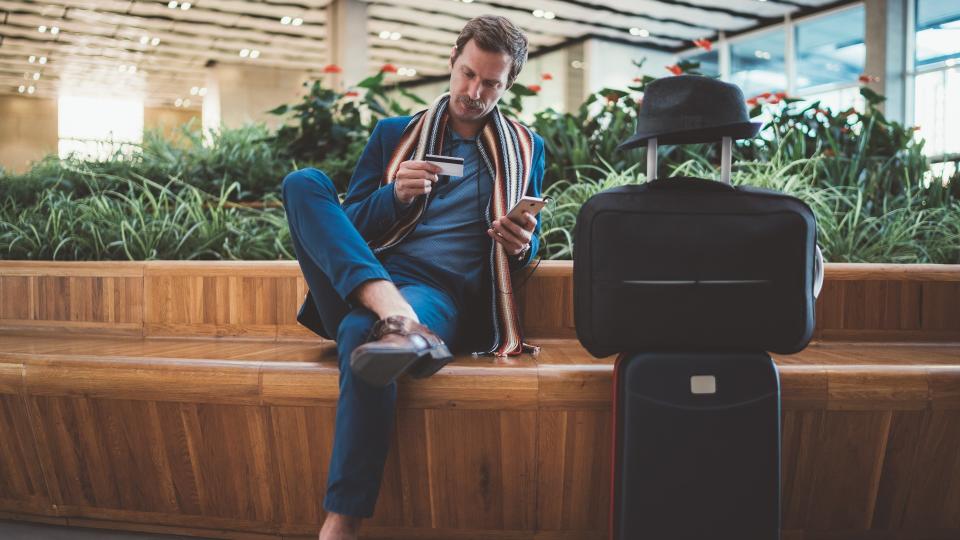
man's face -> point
(477, 80)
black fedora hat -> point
(688, 109)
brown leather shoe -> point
(396, 345)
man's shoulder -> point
(394, 125)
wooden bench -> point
(183, 397)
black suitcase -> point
(696, 447)
(693, 264)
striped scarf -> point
(507, 149)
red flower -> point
(546, 77)
(389, 68)
(675, 69)
(774, 100)
(752, 102)
(704, 44)
(915, 128)
(864, 78)
(781, 95)
(639, 101)
(612, 97)
(535, 88)
(844, 129)
(351, 93)
(638, 79)
(765, 95)
(332, 68)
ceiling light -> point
(178, 102)
(194, 90)
(185, 6)
(950, 62)
(538, 13)
(576, 64)
(144, 40)
(395, 36)
(467, 1)
(186, 103)
(244, 53)
(411, 72)
(21, 89)
(401, 71)
(548, 15)
(642, 32)
(172, 4)
(155, 41)
(385, 34)
(298, 21)
(285, 20)
(36, 76)
(203, 91)
(41, 29)
(31, 89)
(54, 30)
(32, 59)
(254, 54)
(43, 59)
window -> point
(709, 62)
(830, 51)
(757, 63)
(936, 109)
(938, 32)
(96, 128)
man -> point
(412, 261)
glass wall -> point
(757, 63)
(95, 128)
(936, 107)
(830, 50)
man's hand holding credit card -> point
(450, 166)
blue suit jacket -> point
(370, 206)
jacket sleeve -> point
(533, 190)
(370, 206)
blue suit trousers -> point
(335, 259)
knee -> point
(353, 331)
(300, 183)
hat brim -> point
(739, 130)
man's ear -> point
(453, 55)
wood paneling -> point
(260, 299)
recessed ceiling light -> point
(185, 6)
(155, 41)
(186, 103)
(172, 4)
(203, 91)
(395, 36)
(285, 20)
(32, 59)
(642, 32)
(548, 15)
(538, 13)
(36, 76)
(194, 90)
(254, 54)
(22, 89)
(144, 40)
(43, 59)
(54, 30)
(41, 29)
(297, 21)
(411, 72)
(576, 64)
(244, 53)
(385, 34)
(467, 1)
(401, 71)
(30, 89)
(178, 102)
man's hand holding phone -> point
(414, 178)
(515, 230)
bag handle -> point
(726, 162)
(687, 183)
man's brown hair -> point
(493, 33)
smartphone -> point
(528, 204)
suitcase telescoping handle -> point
(725, 159)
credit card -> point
(450, 166)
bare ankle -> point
(338, 526)
(384, 299)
